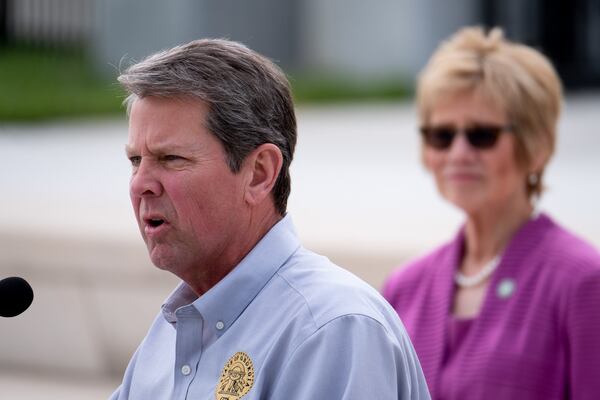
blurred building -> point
(567, 31)
(362, 40)
(47, 23)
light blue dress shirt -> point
(310, 329)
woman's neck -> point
(488, 232)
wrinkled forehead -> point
(162, 121)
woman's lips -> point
(463, 176)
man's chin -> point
(160, 258)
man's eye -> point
(135, 160)
(172, 157)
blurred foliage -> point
(40, 84)
(329, 88)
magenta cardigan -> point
(537, 335)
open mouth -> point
(155, 222)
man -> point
(212, 133)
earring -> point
(533, 179)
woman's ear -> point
(538, 162)
(263, 166)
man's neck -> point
(253, 230)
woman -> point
(509, 308)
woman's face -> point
(475, 179)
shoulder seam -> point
(312, 316)
(319, 328)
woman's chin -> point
(469, 204)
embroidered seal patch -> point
(237, 378)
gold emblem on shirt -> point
(237, 378)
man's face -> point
(189, 205)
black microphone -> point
(15, 296)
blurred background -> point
(359, 196)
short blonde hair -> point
(517, 78)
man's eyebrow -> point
(161, 149)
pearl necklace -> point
(474, 280)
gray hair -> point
(248, 97)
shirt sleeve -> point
(352, 357)
(122, 392)
(115, 395)
(583, 326)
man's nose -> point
(144, 181)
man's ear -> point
(263, 166)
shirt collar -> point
(225, 301)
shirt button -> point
(220, 325)
(186, 370)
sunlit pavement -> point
(359, 196)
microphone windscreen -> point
(15, 296)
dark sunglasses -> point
(479, 136)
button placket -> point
(186, 370)
(188, 348)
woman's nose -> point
(460, 147)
